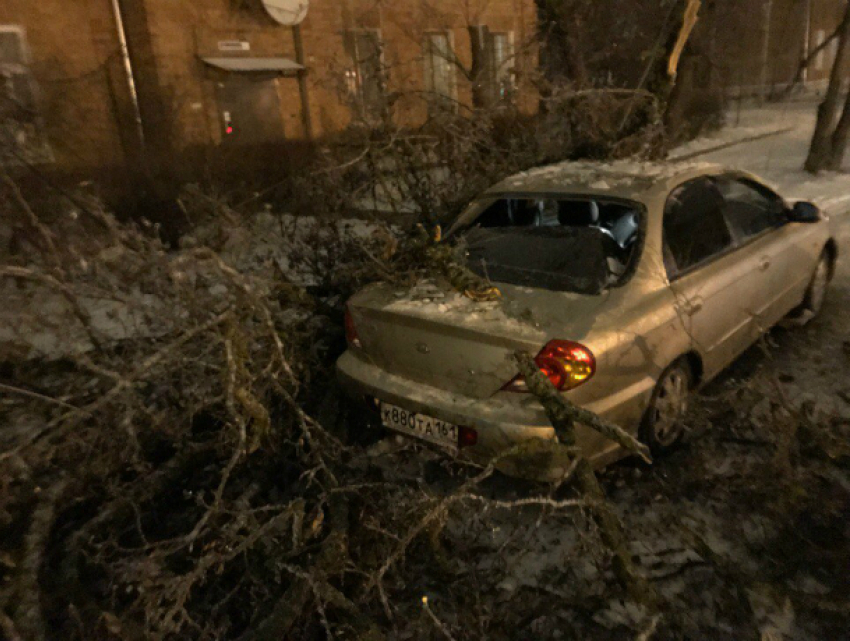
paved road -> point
(814, 361)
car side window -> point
(694, 226)
(750, 208)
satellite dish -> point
(287, 12)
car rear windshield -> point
(574, 244)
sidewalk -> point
(777, 158)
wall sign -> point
(234, 45)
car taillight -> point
(565, 363)
(351, 329)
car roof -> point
(627, 179)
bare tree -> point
(832, 131)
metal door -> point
(250, 110)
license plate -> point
(420, 426)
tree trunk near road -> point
(830, 139)
(840, 138)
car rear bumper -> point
(502, 420)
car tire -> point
(662, 427)
(815, 294)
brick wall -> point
(85, 101)
(740, 39)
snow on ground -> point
(38, 322)
(777, 158)
(268, 239)
(751, 122)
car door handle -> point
(693, 305)
(764, 264)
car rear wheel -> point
(817, 288)
(662, 426)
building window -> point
(503, 66)
(366, 79)
(19, 120)
(440, 72)
(493, 67)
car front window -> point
(750, 208)
(694, 227)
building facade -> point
(202, 75)
(756, 45)
(99, 83)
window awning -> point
(254, 64)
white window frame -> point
(820, 37)
(504, 72)
(33, 139)
(428, 69)
(20, 68)
(22, 37)
(354, 76)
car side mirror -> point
(804, 212)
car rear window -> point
(579, 244)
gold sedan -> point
(634, 283)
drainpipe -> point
(128, 69)
(302, 82)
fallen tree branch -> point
(562, 412)
(29, 618)
(9, 389)
(563, 416)
(329, 562)
(689, 21)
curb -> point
(727, 145)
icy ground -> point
(777, 158)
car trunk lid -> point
(440, 338)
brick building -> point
(206, 75)
(217, 77)
(758, 43)
(64, 78)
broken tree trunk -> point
(689, 21)
(659, 76)
(563, 416)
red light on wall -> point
(229, 129)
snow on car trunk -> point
(437, 337)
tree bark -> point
(660, 77)
(838, 144)
(563, 416)
(821, 151)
